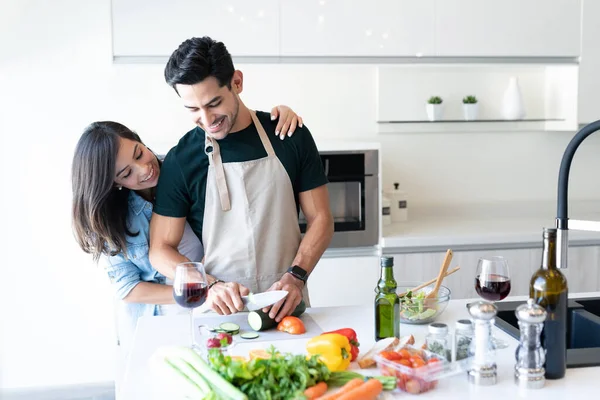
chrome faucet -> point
(563, 224)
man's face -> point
(212, 108)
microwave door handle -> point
(360, 197)
(327, 167)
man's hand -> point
(226, 297)
(286, 306)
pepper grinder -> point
(483, 367)
(530, 355)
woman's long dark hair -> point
(99, 208)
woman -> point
(114, 177)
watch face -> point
(298, 271)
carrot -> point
(315, 391)
(350, 385)
(367, 391)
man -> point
(239, 187)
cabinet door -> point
(480, 28)
(343, 281)
(583, 273)
(158, 27)
(359, 28)
(589, 66)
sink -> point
(583, 329)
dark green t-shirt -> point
(182, 183)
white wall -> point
(56, 76)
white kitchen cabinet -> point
(158, 27)
(589, 66)
(360, 28)
(531, 28)
(344, 281)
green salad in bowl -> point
(415, 308)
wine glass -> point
(190, 289)
(492, 283)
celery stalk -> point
(216, 381)
(190, 373)
(174, 381)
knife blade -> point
(256, 301)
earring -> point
(120, 187)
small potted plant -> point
(434, 108)
(470, 108)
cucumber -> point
(260, 321)
(249, 335)
(230, 327)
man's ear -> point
(237, 82)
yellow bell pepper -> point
(333, 350)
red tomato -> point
(390, 355)
(404, 362)
(418, 363)
(401, 382)
(404, 353)
(413, 386)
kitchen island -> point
(153, 332)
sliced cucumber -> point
(249, 335)
(230, 327)
(260, 321)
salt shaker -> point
(483, 368)
(530, 356)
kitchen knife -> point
(256, 301)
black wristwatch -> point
(298, 272)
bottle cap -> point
(387, 261)
(549, 233)
(438, 328)
(531, 312)
(464, 325)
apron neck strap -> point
(213, 151)
(262, 134)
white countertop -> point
(471, 227)
(153, 332)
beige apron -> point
(250, 230)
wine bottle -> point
(387, 303)
(549, 289)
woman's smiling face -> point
(136, 167)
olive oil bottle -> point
(387, 303)
(549, 289)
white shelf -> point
(491, 125)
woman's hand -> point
(288, 120)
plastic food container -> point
(416, 370)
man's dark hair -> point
(198, 58)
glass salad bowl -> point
(415, 308)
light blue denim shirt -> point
(127, 270)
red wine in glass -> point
(191, 294)
(492, 287)
(190, 289)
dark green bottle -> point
(387, 303)
(549, 289)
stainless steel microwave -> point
(353, 197)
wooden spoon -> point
(433, 294)
(429, 282)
